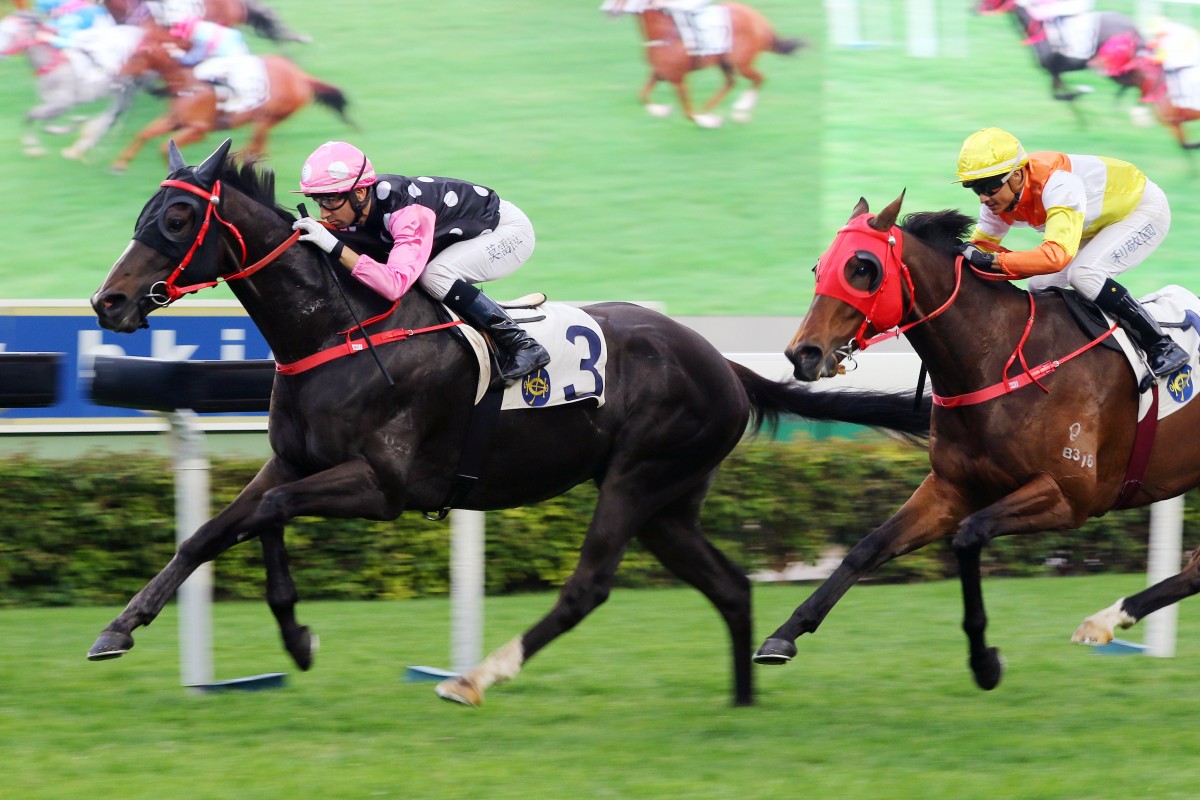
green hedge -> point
(95, 530)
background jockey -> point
(65, 18)
(204, 39)
(440, 232)
(1099, 217)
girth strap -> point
(1139, 458)
(475, 449)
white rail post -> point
(192, 511)
(466, 589)
(1166, 553)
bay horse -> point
(670, 61)
(70, 77)
(1052, 59)
(1039, 457)
(230, 13)
(193, 110)
(347, 444)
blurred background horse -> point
(230, 13)
(84, 71)
(1173, 94)
(747, 33)
(1066, 43)
(223, 94)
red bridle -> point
(891, 301)
(171, 292)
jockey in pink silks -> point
(442, 233)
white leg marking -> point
(1099, 627)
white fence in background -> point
(928, 28)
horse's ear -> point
(175, 160)
(206, 173)
(885, 219)
(860, 209)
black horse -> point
(1049, 54)
(347, 444)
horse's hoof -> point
(658, 110)
(116, 170)
(708, 120)
(302, 647)
(775, 651)
(111, 644)
(739, 116)
(1091, 633)
(988, 669)
(460, 690)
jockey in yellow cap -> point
(1098, 216)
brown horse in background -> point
(230, 13)
(671, 62)
(1032, 458)
(193, 110)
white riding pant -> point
(487, 257)
(1119, 247)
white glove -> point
(319, 235)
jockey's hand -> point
(980, 259)
(318, 234)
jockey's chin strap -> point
(170, 291)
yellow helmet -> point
(989, 152)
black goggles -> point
(986, 187)
(330, 202)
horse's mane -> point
(943, 230)
(250, 177)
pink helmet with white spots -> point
(335, 168)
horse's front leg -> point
(722, 90)
(282, 597)
(685, 100)
(210, 540)
(932, 512)
(159, 127)
(653, 109)
(1039, 505)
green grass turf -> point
(631, 704)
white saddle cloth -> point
(1170, 305)
(1074, 37)
(578, 356)
(706, 32)
(240, 81)
(1183, 87)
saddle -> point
(1087, 315)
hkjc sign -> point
(196, 330)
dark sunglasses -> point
(986, 187)
(330, 202)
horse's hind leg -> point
(1099, 627)
(743, 107)
(282, 597)
(674, 537)
(722, 90)
(618, 514)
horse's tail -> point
(888, 411)
(785, 47)
(266, 24)
(331, 96)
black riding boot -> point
(1163, 355)
(519, 354)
